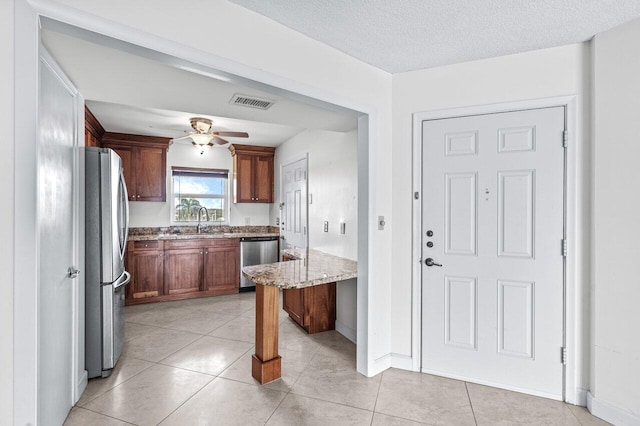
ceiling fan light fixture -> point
(201, 138)
(201, 124)
(203, 147)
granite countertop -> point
(313, 269)
(189, 232)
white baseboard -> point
(82, 385)
(403, 362)
(347, 332)
(581, 397)
(379, 365)
(611, 413)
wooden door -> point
(127, 157)
(183, 270)
(263, 179)
(492, 242)
(151, 174)
(146, 269)
(243, 178)
(221, 269)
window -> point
(194, 189)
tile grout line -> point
(375, 405)
(471, 404)
(188, 399)
(106, 415)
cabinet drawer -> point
(141, 245)
(189, 243)
(225, 242)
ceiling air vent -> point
(251, 101)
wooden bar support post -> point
(266, 363)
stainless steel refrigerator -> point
(106, 230)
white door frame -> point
(571, 302)
(27, 16)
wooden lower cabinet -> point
(182, 269)
(145, 261)
(312, 308)
(221, 268)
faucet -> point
(200, 217)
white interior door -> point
(58, 247)
(493, 191)
(293, 205)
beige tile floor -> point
(189, 363)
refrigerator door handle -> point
(125, 200)
(126, 278)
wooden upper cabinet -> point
(252, 173)
(93, 130)
(144, 160)
(151, 178)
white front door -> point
(293, 205)
(58, 248)
(493, 191)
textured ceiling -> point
(405, 35)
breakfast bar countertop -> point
(305, 271)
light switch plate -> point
(326, 226)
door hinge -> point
(563, 355)
(416, 195)
(565, 138)
(565, 248)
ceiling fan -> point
(203, 137)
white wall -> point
(616, 229)
(153, 213)
(6, 214)
(273, 52)
(333, 184)
(538, 74)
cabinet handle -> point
(160, 254)
(138, 196)
(200, 252)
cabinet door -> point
(146, 274)
(151, 174)
(243, 175)
(293, 304)
(221, 268)
(183, 270)
(126, 154)
(263, 176)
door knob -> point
(430, 262)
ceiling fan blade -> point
(231, 134)
(183, 138)
(220, 141)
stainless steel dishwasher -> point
(256, 251)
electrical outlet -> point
(277, 221)
(326, 226)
